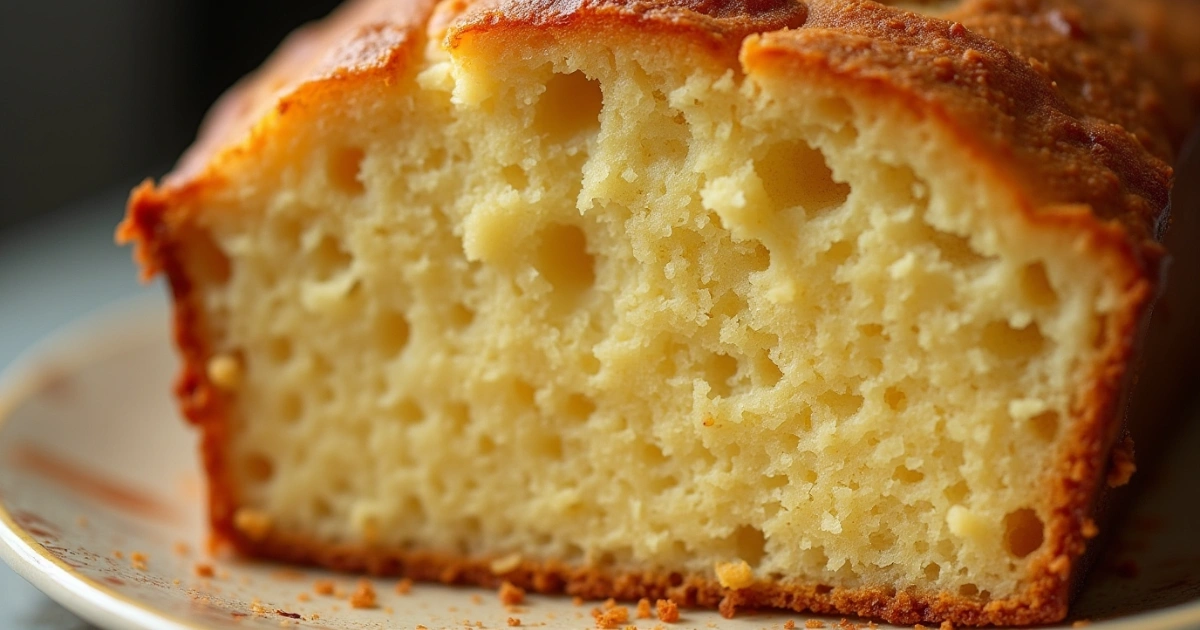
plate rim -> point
(125, 323)
(74, 346)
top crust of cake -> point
(1082, 99)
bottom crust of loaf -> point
(688, 591)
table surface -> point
(53, 271)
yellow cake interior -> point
(639, 310)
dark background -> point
(98, 94)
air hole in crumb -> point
(1023, 532)
(563, 259)
(461, 315)
(759, 259)
(870, 330)
(835, 109)
(719, 370)
(933, 570)
(795, 174)
(968, 590)
(896, 400)
(279, 349)
(953, 248)
(1036, 287)
(549, 445)
(809, 476)
(580, 406)
(409, 412)
(515, 177)
(589, 363)
(801, 421)
(768, 372)
(392, 331)
(957, 493)
(841, 405)
(345, 166)
(1012, 344)
(330, 258)
(729, 306)
(907, 475)
(839, 252)
(882, 540)
(206, 259)
(291, 407)
(458, 415)
(259, 468)
(750, 544)
(569, 107)
(1045, 425)
(526, 394)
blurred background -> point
(102, 94)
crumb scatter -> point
(668, 610)
(363, 595)
(511, 595)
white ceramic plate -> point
(95, 466)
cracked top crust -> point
(1087, 101)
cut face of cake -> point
(822, 306)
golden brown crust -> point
(696, 591)
(1078, 103)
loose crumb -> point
(323, 587)
(225, 371)
(203, 570)
(421, 627)
(946, 625)
(511, 595)
(643, 609)
(735, 575)
(257, 607)
(315, 616)
(303, 597)
(138, 560)
(668, 611)
(117, 554)
(514, 621)
(789, 625)
(363, 596)
(255, 524)
(610, 604)
(404, 587)
(176, 581)
(812, 623)
(612, 618)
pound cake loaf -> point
(829, 306)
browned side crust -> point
(1075, 102)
